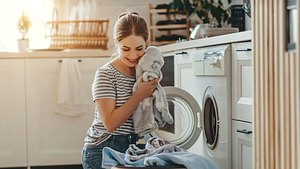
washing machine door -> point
(211, 122)
(187, 117)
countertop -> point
(96, 53)
(211, 41)
(67, 53)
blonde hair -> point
(130, 23)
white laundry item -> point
(152, 112)
(70, 100)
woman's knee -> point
(91, 158)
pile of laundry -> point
(157, 152)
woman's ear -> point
(117, 47)
(116, 42)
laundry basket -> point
(81, 34)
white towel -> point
(70, 100)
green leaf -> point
(203, 8)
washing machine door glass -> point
(186, 113)
(210, 120)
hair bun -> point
(134, 13)
(127, 13)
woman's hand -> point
(145, 89)
(112, 116)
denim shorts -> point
(92, 155)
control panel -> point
(211, 60)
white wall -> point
(97, 9)
(106, 9)
(41, 13)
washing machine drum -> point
(187, 116)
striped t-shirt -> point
(109, 83)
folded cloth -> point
(113, 158)
(70, 100)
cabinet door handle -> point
(181, 53)
(243, 50)
(244, 131)
(79, 60)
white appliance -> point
(212, 69)
(180, 84)
(201, 103)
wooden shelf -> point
(173, 26)
(168, 28)
(153, 10)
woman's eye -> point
(139, 49)
(126, 50)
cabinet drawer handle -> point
(243, 50)
(181, 53)
(244, 131)
(79, 60)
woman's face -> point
(131, 48)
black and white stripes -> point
(110, 83)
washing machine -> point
(200, 101)
(212, 68)
(180, 86)
(196, 82)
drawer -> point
(242, 149)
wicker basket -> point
(85, 34)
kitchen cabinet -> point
(12, 113)
(183, 71)
(173, 26)
(241, 145)
(242, 81)
(32, 133)
(55, 139)
(242, 105)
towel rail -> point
(79, 60)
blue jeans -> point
(92, 155)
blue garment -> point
(189, 160)
(92, 154)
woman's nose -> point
(134, 55)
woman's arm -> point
(113, 117)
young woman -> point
(112, 92)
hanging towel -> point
(70, 100)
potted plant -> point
(209, 11)
(23, 25)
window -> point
(38, 11)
